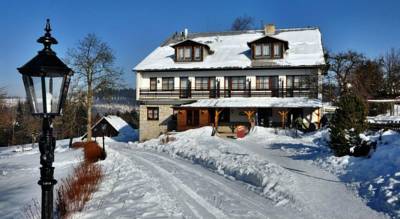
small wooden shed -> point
(112, 125)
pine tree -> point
(347, 123)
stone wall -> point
(149, 129)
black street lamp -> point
(46, 80)
(103, 129)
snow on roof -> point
(118, 124)
(231, 51)
(249, 102)
(383, 119)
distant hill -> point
(113, 100)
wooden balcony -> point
(217, 93)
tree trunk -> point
(89, 113)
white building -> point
(269, 77)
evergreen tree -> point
(347, 123)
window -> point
(152, 113)
(277, 50)
(153, 84)
(204, 83)
(168, 83)
(262, 83)
(188, 53)
(266, 50)
(197, 53)
(297, 81)
(180, 56)
(262, 50)
(238, 83)
(258, 50)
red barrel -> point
(241, 131)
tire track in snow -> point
(256, 205)
(231, 198)
(191, 196)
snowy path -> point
(190, 190)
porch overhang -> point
(254, 102)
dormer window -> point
(190, 51)
(268, 47)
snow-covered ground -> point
(19, 174)
(375, 179)
(268, 174)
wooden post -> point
(318, 118)
(217, 112)
(283, 115)
(250, 114)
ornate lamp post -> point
(46, 80)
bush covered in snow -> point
(348, 122)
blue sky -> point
(135, 28)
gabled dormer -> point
(268, 47)
(190, 51)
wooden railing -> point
(216, 93)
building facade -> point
(267, 77)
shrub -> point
(348, 121)
(77, 188)
(78, 144)
(93, 152)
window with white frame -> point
(152, 113)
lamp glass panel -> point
(53, 93)
(37, 95)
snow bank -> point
(19, 173)
(228, 159)
(375, 179)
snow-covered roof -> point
(383, 119)
(250, 102)
(118, 124)
(231, 51)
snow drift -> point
(228, 159)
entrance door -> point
(274, 86)
(264, 117)
(184, 87)
(293, 115)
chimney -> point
(185, 33)
(269, 29)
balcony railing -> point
(216, 93)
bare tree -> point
(367, 79)
(243, 23)
(391, 68)
(342, 66)
(93, 62)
